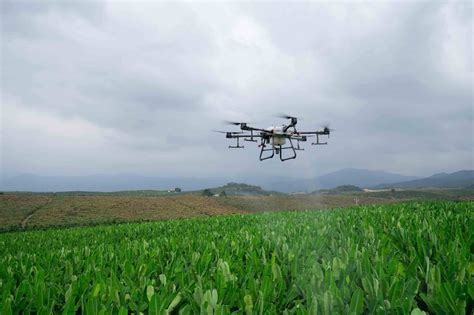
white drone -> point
(273, 139)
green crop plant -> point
(389, 259)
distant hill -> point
(346, 188)
(104, 183)
(361, 178)
(126, 182)
(130, 182)
(349, 176)
(239, 189)
(460, 179)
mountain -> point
(348, 176)
(105, 183)
(120, 182)
(361, 178)
(458, 179)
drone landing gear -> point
(238, 146)
(278, 150)
(266, 150)
(290, 147)
(298, 146)
(318, 142)
(251, 139)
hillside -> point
(39, 210)
(348, 176)
(130, 182)
(458, 179)
(237, 189)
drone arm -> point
(234, 136)
(314, 133)
(247, 128)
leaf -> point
(174, 303)
(357, 302)
(276, 271)
(7, 307)
(248, 304)
(154, 305)
(417, 311)
(96, 290)
(162, 279)
(150, 291)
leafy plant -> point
(405, 258)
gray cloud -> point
(118, 87)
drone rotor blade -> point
(235, 123)
(232, 132)
(286, 116)
(326, 125)
(227, 122)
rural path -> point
(24, 222)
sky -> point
(137, 88)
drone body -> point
(275, 140)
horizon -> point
(131, 182)
(220, 177)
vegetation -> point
(343, 189)
(207, 193)
(40, 210)
(403, 258)
(27, 211)
(236, 189)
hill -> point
(104, 183)
(150, 185)
(343, 189)
(237, 189)
(458, 179)
(348, 176)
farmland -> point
(394, 258)
(40, 210)
(45, 210)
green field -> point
(27, 211)
(396, 259)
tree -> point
(223, 193)
(177, 189)
(207, 193)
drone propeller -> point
(233, 132)
(235, 123)
(326, 126)
(285, 116)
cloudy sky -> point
(89, 87)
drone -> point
(273, 140)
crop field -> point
(44, 210)
(15, 208)
(396, 259)
(40, 210)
